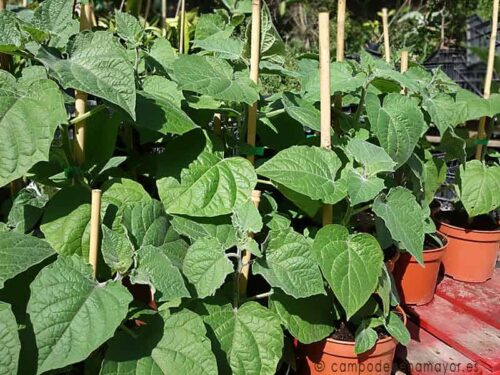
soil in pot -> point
(336, 355)
(472, 247)
(416, 283)
(391, 256)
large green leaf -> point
(26, 210)
(66, 222)
(302, 111)
(444, 112)
(310, 171)
(218, 228)
(175, 345)
(157, 270)
(118, 194)
(306, 324)
(29, 116)
(73, 314)
(479, 187)
(289, 265)
(11, 36)
(10, 346)
(404, 218)
(362, 188)
(206, 266)
(20, 252)
(161, 56)
(214, 77)
(146, 223)
(366, 338)
(55, 17)
(117, 250)
(210, 187)
(398, 124)
(350, 263)
(128, 27)
(97, 65)
(396, 328)
(246, 218)
(373, 158)
(251, 337)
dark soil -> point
(461, 220)
(389, 253)
(346, 333)
(431, 244)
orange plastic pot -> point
(416, 283)
(338, 357)
(471, 255)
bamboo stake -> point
(3, 4)
(95, 223)
(183, 26)
(247, 255)
(489, 76)
(385, 24)
(4, 59)
(326, 105)
(340, 57)
(164, 17)
(340, 29)
(254, 74)
(404, 66)
(218, 124)
(81, 97)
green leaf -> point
(362, 188)
(302, 111)
(97, 65)
(222, 45)
(157, 270)
(10, 345)
(304, 323)
(311, 171)
(289, 265)
(365, 339)
(26, 210)
(117, 250)
(11, 37)
(350, 263)
(210, 187)
(398, 124)
(161, 56)
(373, 158)
(214, 77)
(72, 314)
(66, 222)
(384, 290)
(342, 78)
(444, 112)
(175, 345)
(396, 328)
(20, 252)
(247, 219)
(29, 113)
(146, 223)
(479, 187)
(206, 266)
(55, 17)
(128, 27)
(404, 218)
(218, 228)
(160, 114)
(164, 88)
(251, 337)
(118, 194)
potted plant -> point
(473, 232)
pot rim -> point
(379, 341)
(497, 231)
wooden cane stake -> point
(81, 97)
(481, 134)
(3, 4)
(247, 255)
(326, 105)
(404, 66)
(385, 24)
(340, 29)
(183, 26)
(254, 74)
(164, 17)
(95, 223)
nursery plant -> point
(177, 210)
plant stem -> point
(128, 331)
(361, 104)
(237, 271)
(266, 182)
(87, 114)
(272, 113)
(361, 209)
(261, 296)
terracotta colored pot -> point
(471, 254)
(416, 284)
(392, 262)
(338, 357)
